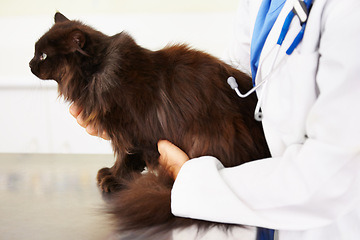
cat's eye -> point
(43, 57)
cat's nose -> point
(32, 66)
(31, 63)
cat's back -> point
(185, 55)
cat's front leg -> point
(125, 169)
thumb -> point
(171, 157)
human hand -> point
(171, 157)
(76, 112)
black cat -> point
(140, 96)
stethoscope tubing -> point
(301, 9)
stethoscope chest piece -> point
(258, 116)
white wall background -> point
(33, 119)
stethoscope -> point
(301, 9)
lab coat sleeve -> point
(313, 182)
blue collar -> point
(267, 15)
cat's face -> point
(54, 51)
(47, 63)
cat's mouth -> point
(38, 74)
(35, 69)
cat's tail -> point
(142, 209)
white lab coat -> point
(310, 188)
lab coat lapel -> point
(268, 53)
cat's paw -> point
(107, 182)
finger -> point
(171, 158)
(171, 153)
(90, 129)
(80, 120)
(74, 110)
(105, 136)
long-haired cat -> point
(138, 97)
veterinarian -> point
(310, 188)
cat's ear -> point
(77, 37)
(77, 41)
(60, 18)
